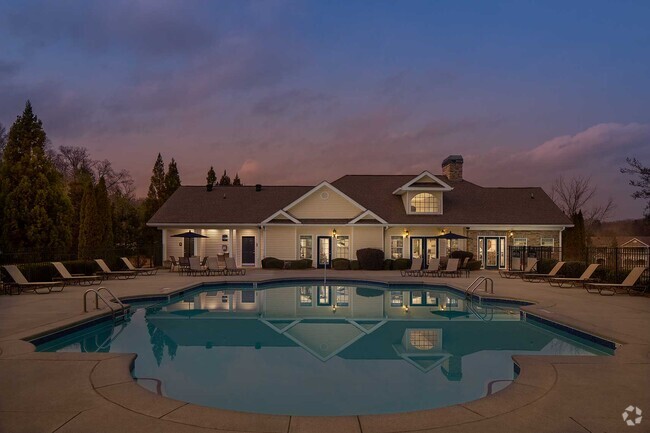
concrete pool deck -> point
(83, 392)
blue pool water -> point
(342, 349)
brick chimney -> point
(452, 167)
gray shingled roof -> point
(467, 204)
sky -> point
(296, 92)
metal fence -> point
(615, 262)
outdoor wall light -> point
(511, 234)
(333, 232)
(406, 308)
(334, 308)
(406, 232)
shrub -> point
(460, 254)
(300, 264)
(388, 264)
(544, 266)
(573, 269)
(272, 263)
(474, 265)
(400, 264)
(341, 264)
(371, 259)
(354, 265)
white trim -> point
(365, 214)
(201, 225)
(643, 244)
(283, 213)
(407, 186)
(316, 188)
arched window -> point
(425, 203)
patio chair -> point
(416, 268)
(531, 265)
(612, 289)
(108, 273)
(183, 264)
(82, 280)
(204, 262)
(540, 278)
(174, 264)
(432, 269)
(515, 265)
(195, 267)
(23, 285)
(451, 269)
(139, 271)
(572, 282)
(231, 267)
(215, 267)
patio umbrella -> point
(451, 236)
(450, 314)
(188, 235)
(367, 292)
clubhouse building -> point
(403, 215)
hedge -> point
(371, 259)
(341, 264)
(272, 263)
(388, 264)
(401, 264)
(544, 266)
(354, 265)
(474, 265)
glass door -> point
(432, 250)
(416, 248)
(491, 253)
(324, 251)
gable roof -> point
(317, 188)
(466, 204)
(242, 205)
(414, 184)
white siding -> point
(334, 206)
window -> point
(425, 203)
(519, 242)
(452, 302)
(306, 247)
(324, 296)
(424, 339)
(419, 297)
(396, 299)
(248, 296)
(396, 247)
(305, 297)
(547, 242)
(342, 296)
(343, 247)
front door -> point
(324, 251)
(248, 250)
(491, 253)
(188, 247)
(425, 248)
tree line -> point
(63, 202)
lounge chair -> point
(68, 278)
(451, 269)
(231, 267)
(531, 265)
(540, 278)
(195, 267)
(23, 285)
(416, 268)
(572, 282)
(139, 271)
(432, 269)
(515, 265)
(118, 275)
(215, 267)
(612, 289)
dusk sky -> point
(296, 92)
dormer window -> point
(425, 202)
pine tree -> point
(104, 223)
(155, 199)
(225, 180)
(35, 212)
(90, 234)
(212, 178)
(574, 240)
(172, 180)
(236, 181)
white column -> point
(164, 245)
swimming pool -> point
(301, 348)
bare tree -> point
(71, 160)
(642, 182)
(3, 139)
(116, 181)
(578, 194)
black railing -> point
(615, 262)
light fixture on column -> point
(333, 232)
(406, 232)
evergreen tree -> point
(35, 212)
(3, 140)
(76, 189)
(574, 240)
(225, 180)
(90, 235)
(126, 221)
(236, 181)
(155, 199)
(172, 180)
(104, 223)
(212, 178)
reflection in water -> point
(325, 350)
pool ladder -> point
(469, 291)
(117, 314)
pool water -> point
(340, 349)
